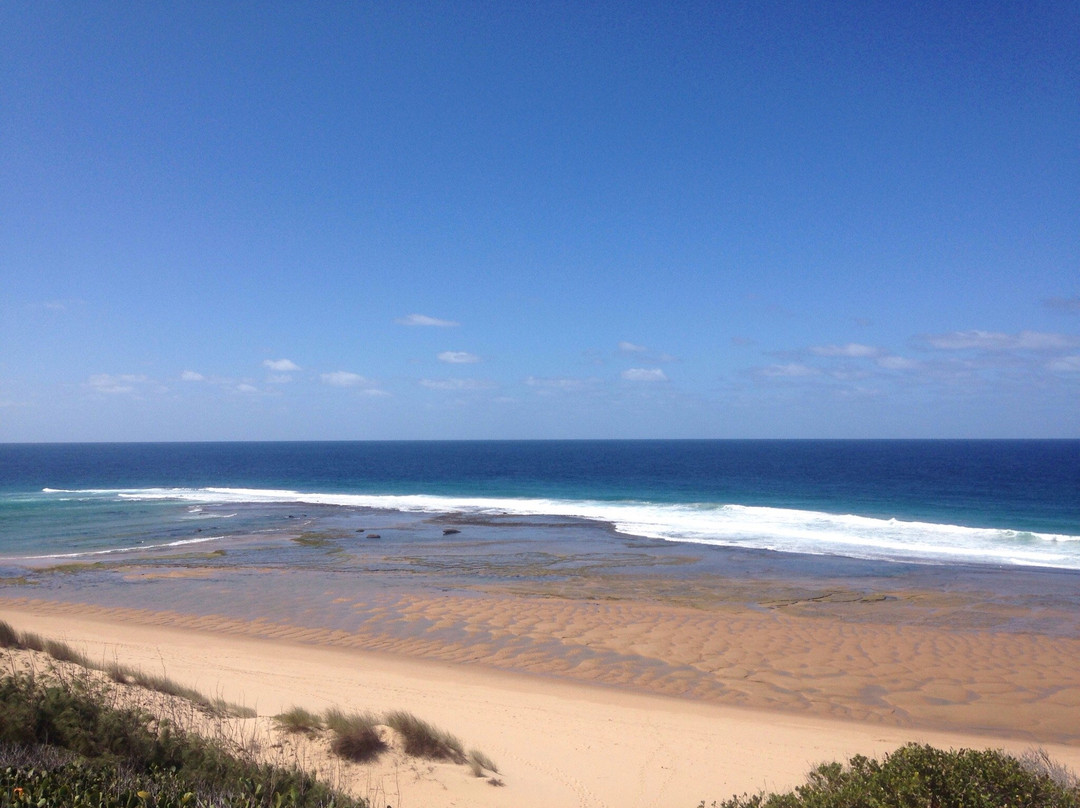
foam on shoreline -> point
(789, 530)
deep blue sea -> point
(1002, 503)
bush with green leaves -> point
(62, 744)
(919, 776)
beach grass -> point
(9, 637)
(480, 763)
(354, 734)
(425, 740)
(62, 652)
(297, 719)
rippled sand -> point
(980, 650)
(783, 657)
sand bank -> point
(558, 742)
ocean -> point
(973, 503)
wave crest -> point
(717, 524)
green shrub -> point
(915, 776)
(110, 756)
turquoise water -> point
(1008, 503)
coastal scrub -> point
(921, 775)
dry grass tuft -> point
(355, 737)
(31, 641)
(424, 740)
(297, 719)
(1038, 762)
(9, 637)
(479, 763)
(62, 652)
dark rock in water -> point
(373, 536)
(450, 531)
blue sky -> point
(549, 220)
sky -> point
(381, 220)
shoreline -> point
(918, 660)
(596, 668)
(558, 742)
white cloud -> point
(57, 306)
(558, 384)
(458, 357)
(281, 365)
(424, 320)
(644, 375)
(852, 349)
(192, 376)
(113, 385)
(455, 384)
(642, 354)
(343, 378)
(1036, 341)
(790, 371)
(897, 363)
(847, 375)
(246, 388)
(997, 341)
(1068, 364)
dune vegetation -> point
(63, 742)
(73, 735)
(69, 737)
(920, 776)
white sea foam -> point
(752, 527)
(114, 550)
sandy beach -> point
(813, 689)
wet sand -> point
(581, 655)
(969, 679)
(556, 741)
